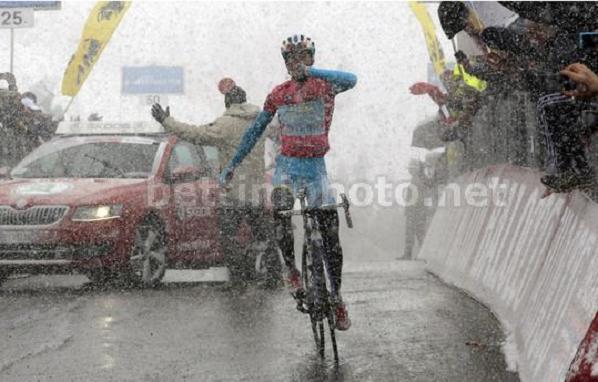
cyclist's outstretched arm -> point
(341, 81)
(251, 137)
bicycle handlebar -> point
(344, 204)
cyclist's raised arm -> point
(341, 81)
(251, 137)
(249, 140)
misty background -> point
(382, 43)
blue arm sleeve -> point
(342, 81)
(251, 136)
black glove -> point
(460, 56)
(160, 114)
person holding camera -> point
(585, 79)
(561, 97)
(566, 131)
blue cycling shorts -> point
(304, 173)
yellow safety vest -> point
(472, 81)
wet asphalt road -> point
(407, 326)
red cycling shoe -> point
(293, 279)
(342, 317)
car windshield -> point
(84, 159)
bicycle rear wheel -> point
(317, 297)
(314, 328)
(322, 339)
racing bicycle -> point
(315, 299)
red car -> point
(122, 199)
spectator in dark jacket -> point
(23, 125)
(559, 114)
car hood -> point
(69, 191)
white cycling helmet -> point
(296, 43)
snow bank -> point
(532, 260)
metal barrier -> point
(504, 131)
(532, 260)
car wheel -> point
(148, 256)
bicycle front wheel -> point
(307, 287)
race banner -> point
(434, 49)
(101, 24)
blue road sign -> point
(152, 80)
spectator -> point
(463, 85)
(426, 178)
(543, 41)
(29, 100)
(552, 34)
(39, 125)
(23, 125)
(505, 50)
(565, 130)
(456, 17)
(243, 199)
(559, 115)
(456, 107)
(415, 214)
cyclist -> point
(304, 105)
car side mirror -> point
(183, 174)
(4, 172)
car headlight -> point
(96, 213)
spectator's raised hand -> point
(433, 91)
(584, 77)
(159, 113)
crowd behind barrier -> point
(521, 89)
(23, 124)
(526, 106)
(504, 130)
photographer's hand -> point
(586, 79)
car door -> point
(195, 195)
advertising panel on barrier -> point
(533, 261)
